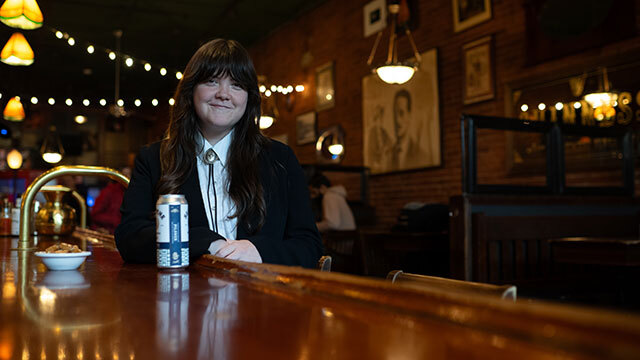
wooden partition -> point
(502, 238)
(517, 248)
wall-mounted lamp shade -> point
(270, 112)
(52, 150)
(14, 159)
(21, 14)
(14, 110)
(17, 51)
(265, 122)
(330, 145)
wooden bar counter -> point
(233, 310)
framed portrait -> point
(325, 93)
(478, 71)
(375, 17)
(401, 123)
(306, 128)
(468, 13)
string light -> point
(69, 102)
(163, 71)
(112, 55)
(90, 49)
(129, 62)
(59, 34)
(178, 75)
(71, 41)
(137, 102)
(147, 67)
(103, 102)
(86, 102)
(154, 102)
(171, 101)
(51, 101)
(120, 102)
(34, 100)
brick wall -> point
(334, 32)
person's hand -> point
(242, 250)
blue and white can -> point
(172, 230)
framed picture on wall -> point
(478, 71)
(468, 13)
(325, 93)
(306, 128)
(401, 123)
(375, 17)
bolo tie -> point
(209, 159)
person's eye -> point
(236, 86)
(213, 81)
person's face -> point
(219, 104)
(402, 116)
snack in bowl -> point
(62, 248)
(62, 256)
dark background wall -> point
(334, 32)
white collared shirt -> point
(220, 201)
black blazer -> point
(289, 235)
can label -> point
(172, 235)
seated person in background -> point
(336, 214)
(105, 213)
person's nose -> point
(223, 91)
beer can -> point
(172, 231)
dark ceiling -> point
(162, 32)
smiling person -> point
(247, 194)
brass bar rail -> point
(26, 208)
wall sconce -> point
(393, 71)
(52, 150)
(21, 14)
(603, 102)
(269, 112)
(330, 145)
(17, 51)
(14, 110)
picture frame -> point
(325, 93)
(468, 13)
(306, 128)
(401, 123)
(374, 17)
(478, 80)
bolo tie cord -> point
(214, 212)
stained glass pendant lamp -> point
(14, 110)
(17, 51)
(21, 14)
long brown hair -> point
(178, 150)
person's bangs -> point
(231, 64)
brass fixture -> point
(30, 194)
(55, 218)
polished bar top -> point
(233, 310)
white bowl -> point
(62, 261)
